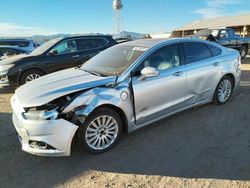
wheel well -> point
(232, 77)
(35, 68)
(120, 112)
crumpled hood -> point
(52, 86)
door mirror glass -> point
(149, 72)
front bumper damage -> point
(43, 137)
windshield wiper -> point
(94, 73)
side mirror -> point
(148, 72)
(53, 52)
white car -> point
(125, 87)
(24, 44)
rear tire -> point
(30, 75)
(223, 91)
(100, 131)
(243, 52)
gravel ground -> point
(207, 146)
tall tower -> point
(117, 18)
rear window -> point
(196, 52)
(90, 44)
(214, 50)
(15, 43)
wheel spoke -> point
(103, 120)
(94, 124)
(108, 121)
(92, 139)
(91, 129)
(99, 122)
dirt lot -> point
(208, 146)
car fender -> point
(117, 96)
(22, 70)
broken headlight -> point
(41, 115)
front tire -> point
(223, 91)
(101, 131)
(30, 75)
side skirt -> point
(167, 115)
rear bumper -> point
(55, 135)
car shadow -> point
(7, 89)
(204, 142)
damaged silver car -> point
(123, 88)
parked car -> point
(125, 87)
(226, 37)
(57, 54)
(7, 51)
(24, 44)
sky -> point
(30, 17)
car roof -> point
(85, 35)
(149, 43)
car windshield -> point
(113, 61)
(207, 32)
(41, 49)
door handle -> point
(179, 73)
(75, 56)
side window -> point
(68, 46)
(224, 34)
(164, 58)
(214, 50)
(90, 44)
(196, 52)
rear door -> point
(89, 47)
(203, 71)
(159, 96)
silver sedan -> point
(124, 87)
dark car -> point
(6, 51)
(226, 37)
(56, 54)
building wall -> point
(239, 30)
(160, 35)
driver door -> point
(164, 94)
(65, 56)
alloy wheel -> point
(224, 91)
(101, 132)
(31, 77)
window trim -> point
(178, 44)
(78, 51)
(57, 44)
(107, 41)
(211, 50)
(185, 55)
(226, 33)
